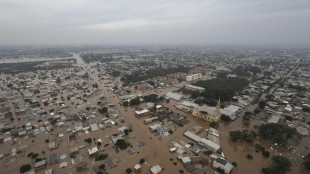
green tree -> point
(25, 168)
(128, 170)
(214, 124)
(306, 162)
(141, 161)
(102, 167)
(281, 164)
(125, 103)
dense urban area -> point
(154, 110)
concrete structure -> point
(174, 96)
(194, 88)
(156, 169)
(223, 164)
(193, 77)
(208, 116)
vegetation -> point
(246, 70)
(276, 133)
(88, 140)
(306, 162)
(249, 156)
(102, 167)
(142, 160)
(220, 170)
(225, 118)
(96, 57)
(32, 155)
(214, 124)
(128, 170)
(14, 68)
(125, 103)
(151, 98)
(122, 144)
(103, 110)
(222, 87)
(138, 76)
(25, 168)
(234, 164)
(262, 104)
(101, 157)
(280, 165)
(244, 135)
(135, 101)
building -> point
(92, 151)
(174, 96)
(150, 120)
(53, 158)
(208, 115)
(142, 112)
(223, 164)
(194, 88)
(40, 165)
(156, 169)
(193, 77)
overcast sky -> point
(207, 22)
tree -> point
(101, 157)
(25, 168)
(128, 170)
(256, 111)
(125, 103)
(281, 164)
(222, 171)
(235, 135)
(102, 167)
(122, 144)
(126, 131)
(214, 124)
(276, 133)
(266, 153)
(225, 118)
(262, 104)
(141, 161)
(234, 164)
(88, 140)
(306, 162)
(135, 101)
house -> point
(39, 165)
(137, 168)
(53, 145)
(92, 151)
(186, 160)
(174, 96)
(94, 127)
(156, 169)
(223, 164)
(142, 112)
(194, 88)
(49, 171)
(53, 158)
(74, 151)
(207, 144)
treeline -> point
(96, 58)
(279, 134)
(14, 68)
(138, 76)
(246, 70)
(223, 88)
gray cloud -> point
(245, 22)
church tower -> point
(218, 112)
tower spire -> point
(218, 107)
